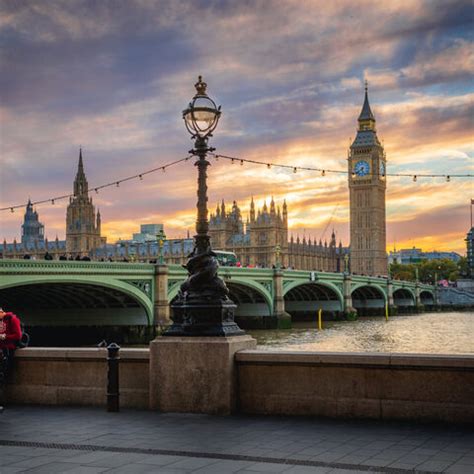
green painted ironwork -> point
(137, 279)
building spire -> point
(80, 183)
(366, 112)
(252, 210)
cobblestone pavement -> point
(89, 440)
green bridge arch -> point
(325, 284)
(256, 287)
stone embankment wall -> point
(378, 386)
(63, 376)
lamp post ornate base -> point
(202, 318)
(203, 307)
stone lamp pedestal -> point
(195, 374)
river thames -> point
(429, 333)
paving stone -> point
(434, 466)
(192, 463)
(11, 470)
(267, 467)
(86, 470)
(308, 470)
(221, 467)
(6, 459)
(459, 468)
(51, 468)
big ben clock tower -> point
(367, 185)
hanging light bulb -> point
(52, 201)
(323, 173)
(414, 178)
(448, 178)
(241, 162)
(141, 177)
(117, 184)
(96, 191)
(294, 169)
(216, 157)
(12, 210)
(269, 165)
(163, 169)
(232, 160)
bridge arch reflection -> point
(369, 299)
(404, 299)
(303, 300)
(427, 298)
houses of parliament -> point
(261, 241)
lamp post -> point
(277, 256)
(203, 306)
(346, 263)
(161, 237)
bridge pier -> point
(419, 305)
(283, 318)
(161, 309)
(347, 290)
(392, 309)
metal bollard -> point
(113, 394)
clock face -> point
(382, 168)
(361, 168)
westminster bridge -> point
(77, 293)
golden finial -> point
(200, 86)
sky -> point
(114, 77)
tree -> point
(428, 270)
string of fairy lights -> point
(233, 160)
(323, 171)
(96, 189)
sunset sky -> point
(114, 76)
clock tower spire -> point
(367, 187)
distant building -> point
(148, 233)
(367, 187)
(33, 244)
(256, 242)
(82, 225)
(32, 230)
(414, 255)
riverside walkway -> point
(89, 440)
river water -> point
(428, 333)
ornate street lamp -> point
(203, 307)
(277, 256)
(346, 263)
(161, 238)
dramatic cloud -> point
(113, 76)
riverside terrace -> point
(138, 294)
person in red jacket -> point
(10, 335)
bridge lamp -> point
(202, 307)
(161, 238)
(277, 256)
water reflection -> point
(431, 333)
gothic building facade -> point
(367, 186)
(263, 240)
(82, 224)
